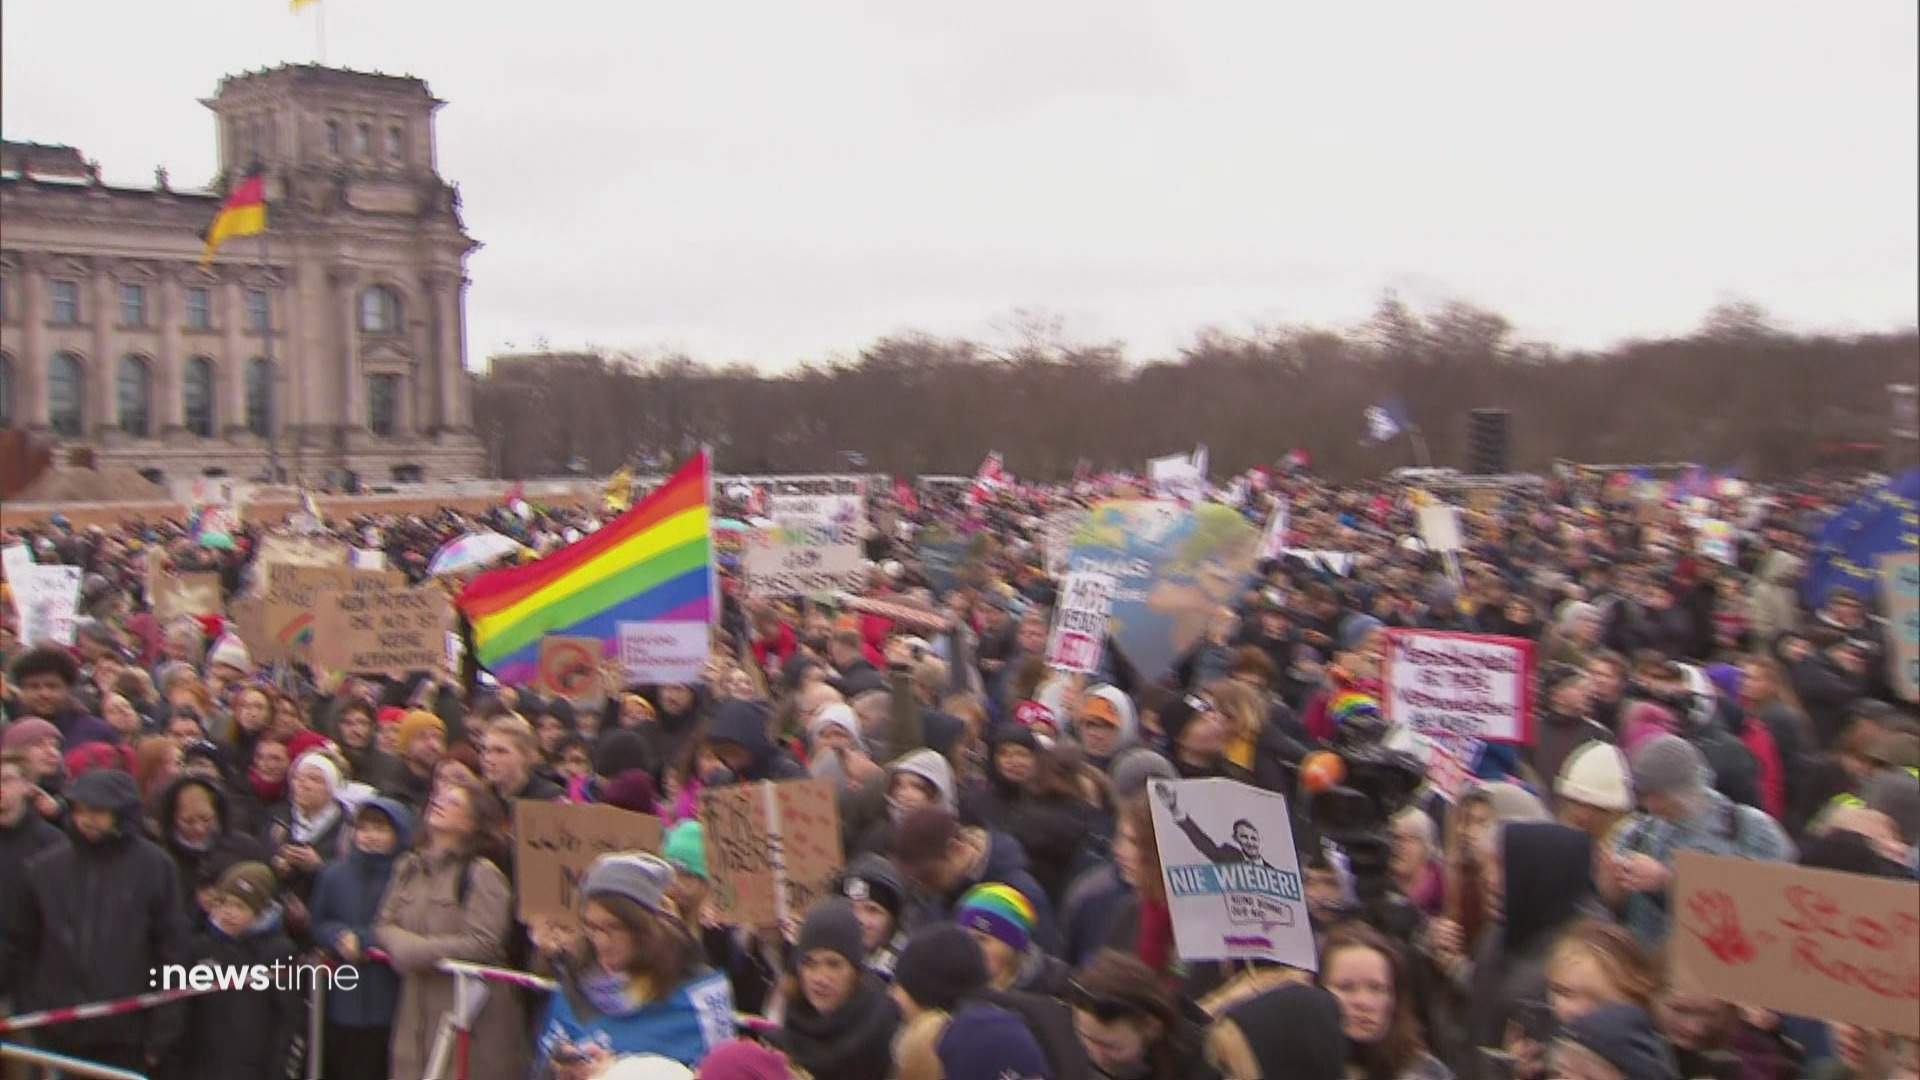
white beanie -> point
(837, 715)
(232, 652)
(643, 1067)
(1597, 775)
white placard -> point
(1440, 527)
(802, 561)
(847, 512)
(48, 599)
(1279, 523)
(1080, 623)
(15, 558)
(664, 653)
(1232, 875)
(366, 559)
(1466, 685)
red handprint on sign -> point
(1715, 920)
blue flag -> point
(1386, 421)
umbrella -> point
(472, 552)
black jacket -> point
(201, 867)
(93, 922)
(854, 1042)
(243, 1034)
(19, 843)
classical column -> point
(452, 303)
(233, 373)
(169, 382)
(101, 412)
(344, 280)
(431, 361)
(31, 370)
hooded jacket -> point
(1129, 736)
(854, 1042)
(744, 723)
(1548, 871)
(346, 898)
(201, 866)
(19, 843)
(246, 1033)
(93, 921)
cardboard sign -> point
(1440, 527)
(664, 653)
(302, 551)
(1471, 686)
(381, 631)
(1900, 593)
(175, 595)
(845, 512)
(555, 843)
(803, 560)
(48, 599)
(1839, 947)
(570, 668)
(1080, 625)
(1231, 872)
(291, 599)
(772, 849)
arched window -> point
(380, 311)
(196, 394)
(333, 136)
(135, 382)
(6, 391)
(260, 396)
(66, 395)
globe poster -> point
(1172, 567)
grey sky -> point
(775, 181)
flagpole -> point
(320, 31)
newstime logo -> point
(278, 975)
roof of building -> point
(315, 76)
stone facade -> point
(338, 344)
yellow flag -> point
(296, 5)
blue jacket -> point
(347, 896)
(684, 1026)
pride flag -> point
(652, 564)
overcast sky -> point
(775, 181)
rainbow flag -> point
(652, 564)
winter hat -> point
(1111, 704)
(745, 1059)
(618, 751)
(87, 757)
(1349, 705)
(203, 750)
(638, 877)
(251, 883)
(417, 723)
(389, 714)
(1624, 1037)
(1133, 768)
(1597, 775)
(1896, 793)
(231, 652)
(1727, 679)
(1000, 912)
(1355, 628)
(686, 849)
(644, 1067)
(839, 715)
(983, 1042)
(329, 770)
(832, 926)
(874, 878)
(1668, 764)
(631, 790)
(307, 742)
(24, 733)
(932, 768)
(1180, 712)
(1644, 720)
(940, 966)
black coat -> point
(199, 868)
(854, 1042)
(19, 843)
(243, 1034)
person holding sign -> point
(633, 981)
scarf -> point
(612, 993)
(306, 829)
(267, 791)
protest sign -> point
(48, 599)
(175, 595)
(1833, 946)
(1080, 623)
(1713, 539)
(381, 631)
(570, 668)
(847, 513)
(1440, 527)
(555, 842)
(1173, 569)
(15, 558)
(302, 551)
(1468, 685)
(1900, 593)
(664, 653)
(1056, 537)
(1279, 524)
(803, 560)
(772, 849)
(1231, 872)
(369, 559)
(1333, 562)
(290, 598)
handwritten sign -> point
(1900, 592)
(570, 667)
(772, 849)
(1465, 685)
(803, 560)
(1840, 947)
(555, 843)
(381, 631)
(1080, 624)
(175, 595)
(291, 601)
(48, 599)
(663, 653)
(302, 551)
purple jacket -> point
(78, 729)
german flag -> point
(243, 214)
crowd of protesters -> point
(166, 799)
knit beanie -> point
(417, 723)
(1668, 764)
(745, 1059)
(1596, 775)
(940, 966)
(251, 883)
(1355, 628)
(644, 1067)
(87, 757)
(832, 926)
(686, 849)
(389, 714)
(872, 877)
(998, 911)
(231, 652)
(984, 1042)
(618, 751)
(24, 733)
(836, 715)
(1180, 712)
(638, 877)
(1134, 768)
(631, 790)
